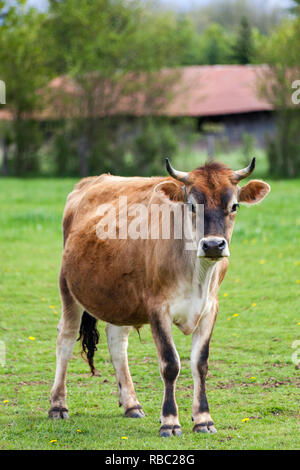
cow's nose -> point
(214, 247)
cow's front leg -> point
(117, 339)
(199, 364)
(169, 365)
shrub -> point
(156, 141)
(283, 151)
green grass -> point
(256, 343)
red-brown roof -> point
(218, 89)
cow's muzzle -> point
(213, 247)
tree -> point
(243, 47)
(228, 13)
(23, 69)
(101, 46)
(281, 53)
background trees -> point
(24, 69)
(99, 44)
(281, 53)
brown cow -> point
(133, 281)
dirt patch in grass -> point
(272, 382)
(33, 382)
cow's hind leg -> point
(169, 365)
(117, 339)
(68, 329)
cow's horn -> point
(178, 175)
(240, 174)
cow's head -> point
(216, 186)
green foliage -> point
(243, 48)
(156, 141)
(22, 57)
(24, 70)
(100, 46)
(214, 45)
(228, 14)
(120, 146)
(248, 144)
(283, 150)
(28, 140)
(282, 55)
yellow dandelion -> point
(124, 437)
(79, 430)
(299, 323)
(262, 261)
(43, 299)
(225, 295)
(253, 378)
(245, 420)
(51, 306)
(5, 401)
(237, 281)
(32, 338)
(298, 281)
(235, 315)
(254, 304)
(52, 441)
(54, 311)
(229, 318)
(297, 263)
(234, 334)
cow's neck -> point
(192, 298)
(203, 272)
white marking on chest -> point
(192, 299)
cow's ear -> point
(253, 192)
(174, 191)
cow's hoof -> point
(205, 428)
(212, 429)
(58, 412)
(168, 430)
(135, 412)
(177, 430)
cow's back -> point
(106, 276)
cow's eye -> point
(235, 207)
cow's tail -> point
(89, 338)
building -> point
(224, 99)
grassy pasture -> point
(251, 372)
